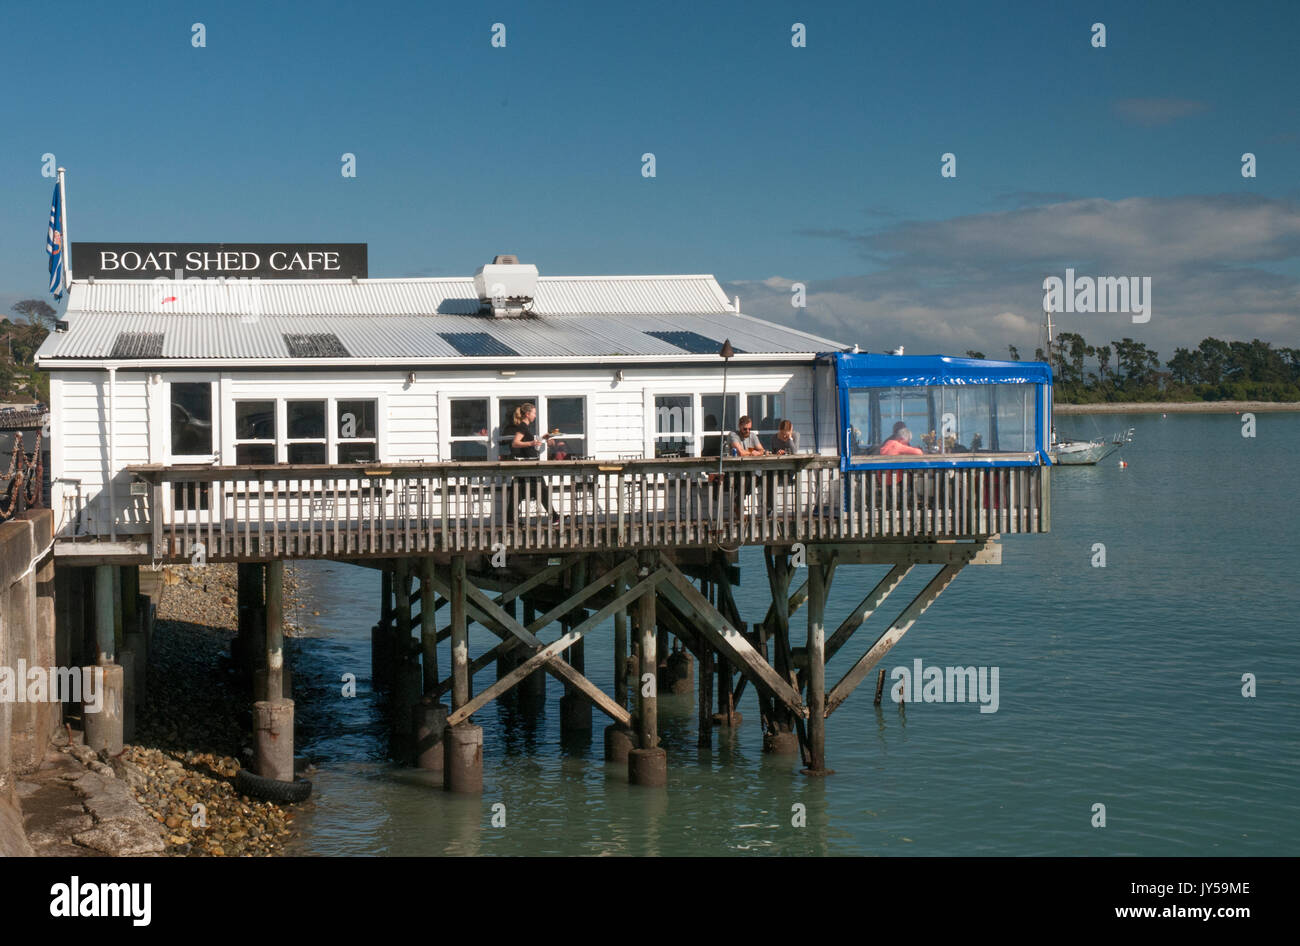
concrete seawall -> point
(27, 634)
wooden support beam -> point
(668, 616)
(727, 639)
(428, 625)
(105, 645)
(891, 636)
(459, 634)
(620, 645)
(402, 582)
(274, 630)
(946, 552)
(551, 652)
(704, 660)
(386, 598)
(648, 678)
(503, 624)
(816, 666)
(865, 609)
(541, 578)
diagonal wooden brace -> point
(864, 610)
(726, 638)
(504, 623)
(840, 692)
(552, 651)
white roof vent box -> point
(506, 287)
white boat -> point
(1071, 452)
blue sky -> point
(775, 164)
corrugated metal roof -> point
(556, 295)
(409, 319)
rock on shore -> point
(192, 732)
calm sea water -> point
(1119, 686)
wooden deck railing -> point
(247, 512)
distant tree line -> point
(1126, 370)
(19, 339)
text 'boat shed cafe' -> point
(586, 446)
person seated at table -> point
(900, 443)
(786, 440)
(744, 443)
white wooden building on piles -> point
(173, 373)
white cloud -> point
(976, 281)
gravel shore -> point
(193, 733)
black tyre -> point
(269, 789)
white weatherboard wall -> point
(619, 414)
(79, 447)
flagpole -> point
(67, 244)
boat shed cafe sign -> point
(212, 260)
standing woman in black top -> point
(524, 445)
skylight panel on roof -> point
(319, 345)
(692, 342)
(477, 343)
(138, 345)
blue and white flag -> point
(54, 245)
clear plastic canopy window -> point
(944, 420)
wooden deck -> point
(262, 512)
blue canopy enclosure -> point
(961, 412)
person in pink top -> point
(900, 443)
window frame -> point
(273, 442)
(214, 394)
(332, 441)
(937, 397)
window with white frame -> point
(255, 440)
(191, 418)
(714, 422)
(305, 432)
(358, 430)
(567, 416)
(469, 438)
(674, 424)
(766, 411)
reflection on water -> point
(1118, 685)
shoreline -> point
(191, 734)
(1177, 407)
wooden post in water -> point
(575, 709)
(463, 760)
(381, 637)
(706, 697)
(459, 636)
(647, 764)
(620, 647)
(428, 625)
(274, 630)
(781, 739)
(619, 739)
(816, 668)
(407, 678)
(532, 689)
(273, 715)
